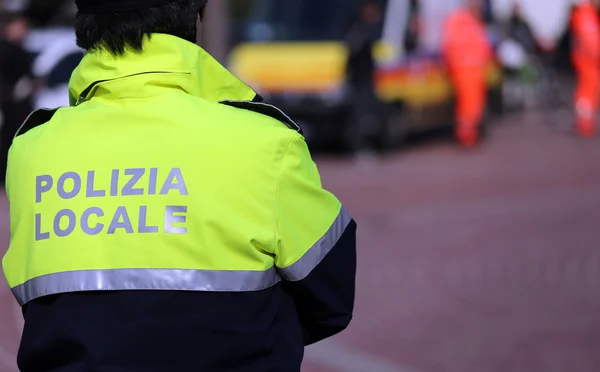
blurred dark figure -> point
(411, 37)
(16, 85)
(360, 70)
(519, 52)
(564, 45)
(488, 12)
(517, 29)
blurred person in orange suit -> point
(585, 26)
(467, 51)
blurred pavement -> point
(469, 261)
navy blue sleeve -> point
(325, 298)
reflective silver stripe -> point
(145, 279)
(301, 268)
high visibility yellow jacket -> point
(169, 174)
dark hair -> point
(118, 31)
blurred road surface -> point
(470, 261)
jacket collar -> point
(199, 73)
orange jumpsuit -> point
(467, 51)
(585, 26)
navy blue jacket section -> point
(325, 298)
(162, 331)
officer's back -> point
(168, 220)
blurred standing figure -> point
(15, 81)
(586, 60)
(518, 29)
(360, 71)
(467, 51)
(411, 37)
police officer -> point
(169, 220)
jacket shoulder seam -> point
(35, 119)
(265, 109)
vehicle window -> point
(292, 20)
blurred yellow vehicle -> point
(293, 53)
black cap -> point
(117, 6)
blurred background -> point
(484, 259)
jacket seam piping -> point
(276, 199)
